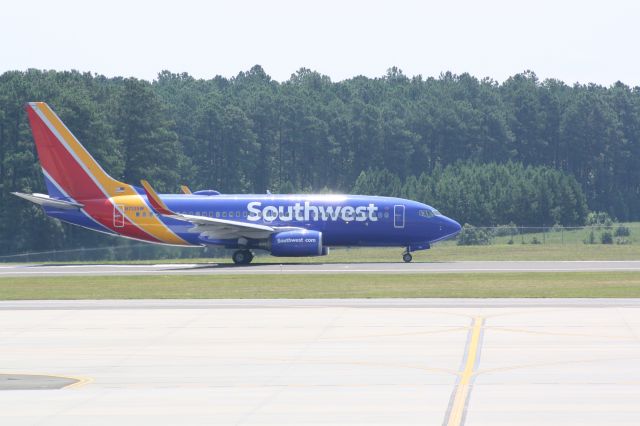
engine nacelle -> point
(297, 244)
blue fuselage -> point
(344, 220)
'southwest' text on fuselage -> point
(308, 212)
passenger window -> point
(224, 214)
(245, 214)
(217, 214)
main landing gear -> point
(242, 257)
(406, 256)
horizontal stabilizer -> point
(46, 201)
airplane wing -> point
(209, 227)
(225, 229)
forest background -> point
(524, 151)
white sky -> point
(585, 41)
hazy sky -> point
(585, 41)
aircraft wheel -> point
(407, 257)
(242, 257)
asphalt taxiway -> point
(318, 268)
(385, 361)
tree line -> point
(488, 194)
(455, 141)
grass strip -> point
(441, 252)
(329, 286)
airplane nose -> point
(451, 227)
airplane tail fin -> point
(70, 171)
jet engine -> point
(298, 243)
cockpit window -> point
(436, 212)
(425, 213)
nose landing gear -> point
(242, 257)
(406, 256)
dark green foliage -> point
(606, 238)
(151, 149)
(599, 219)
(525, 151)
(378, 182)
(506, 230)
(472, 236)
(622, 231)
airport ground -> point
(467, 342)
(383, 361)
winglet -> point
(154, 199)
(185, 189)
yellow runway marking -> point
(81, 381)
(556, 363)
(461, 396)
(414, 333)
(552, 333)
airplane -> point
(80, 192)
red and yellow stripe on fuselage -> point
(76, 172)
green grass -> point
(571, 237)
(532, 252)
(442, 252)
(566, 284)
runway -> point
(318, 268)
(384, 361)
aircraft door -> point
(398, 216)
(118, 217)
